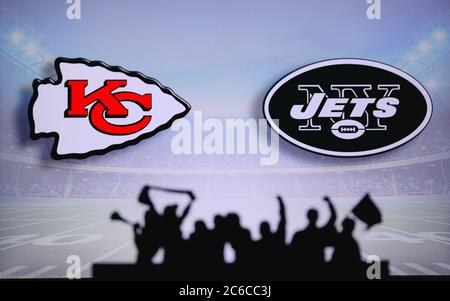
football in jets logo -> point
(92, 108)
(348, 107)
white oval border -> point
(348, 62)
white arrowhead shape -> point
(76, 137)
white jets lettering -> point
(385, 107)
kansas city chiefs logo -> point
(93, 108)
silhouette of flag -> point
(367, 211)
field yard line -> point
(443, 265)
(54, 234)
(396, 270)
(415, 235)
(421, 211)
(420, 268)
(105, 256)
(8, 272)
(40, 271)
(418, 219)
(27, 205)
(14, 209)
(27, 215)
(437, 207)
(50, 220)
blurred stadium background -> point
(52, 209)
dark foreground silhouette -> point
(201, 256)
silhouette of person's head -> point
(200, 227)
(312, 217)
(348, 225)
(219, 223)
(218, 220)
(233, 220)
(264, 229)
(171, 211)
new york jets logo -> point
(348, 107)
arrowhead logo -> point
(93, 108)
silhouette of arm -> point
(185, 213)
(332, 219)
(281, 231)
(144, 198)
(137, 229)
(188, 207)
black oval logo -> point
(348, 107)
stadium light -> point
(439, 35)
(424, 47)
(16, 37)
(411, 58)
(32, 48)
(45, 60)
(431, 83)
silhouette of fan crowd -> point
(201, 256)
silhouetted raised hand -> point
(270, 251)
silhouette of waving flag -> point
(367, 211)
